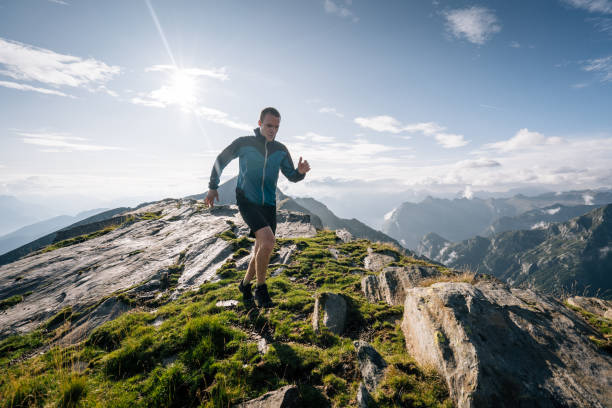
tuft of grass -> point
(602, 325)
(12, 301)
(468, 277)
(72, 390)
(150, 215)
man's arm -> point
(292, 173)
(227, 155)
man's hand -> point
(303, 166)
(210, 198)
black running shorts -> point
(256, 216)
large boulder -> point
(503, 347)
(391, 284)
(285, 397)
(330, 310)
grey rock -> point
(375, 261)
(107, 310)
(363, 396)
(593, 305)
(334, 310)
(503, 347)
(227, 303)
(371, 364)
(334, 252)
(391, 284)
(344, 235)
(285, 397)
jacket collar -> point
(259, 136)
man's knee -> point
(265, 239)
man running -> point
(261, 157)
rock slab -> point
(334, 310)
(593, 305)
(503, 347)
(285, 397)
(375, 261)
(391, 284)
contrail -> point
(161, 31)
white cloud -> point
(63, 3)
(450, 141)
(594, 6)
(385, 123)
(56, 143)
(315, 138)
(515, 44)
(588, 199)
(382, 123)
(601, 66)
(28, 63)
(341, 11)
(333, 111)
(553, 211)
(475, 24)
(524, 139)
(539, 225)
(24, 87)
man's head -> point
(269, 121)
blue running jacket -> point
(260, 162)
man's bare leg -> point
(265, 238)
(250, 274)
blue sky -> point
(104, 101)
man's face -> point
(269, 126)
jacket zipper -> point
(263, 175)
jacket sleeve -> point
(289, 171)
(227, 155)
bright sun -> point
(182, 89)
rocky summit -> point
(144, 311)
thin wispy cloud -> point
(602, 24)
(331, 110)
(594, 6)
(515, 44)
(56, 143)
(523, 140)
(24, 62)
(601, 66)
(385, 123)
(315, 138)
(24, 87)
(340, 10)
(222, 118)
(216, 73)
(475, 24)
(63, 3)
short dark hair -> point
(269, 110)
